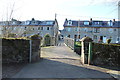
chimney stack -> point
(90, 21)
(113, 21)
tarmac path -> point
(60, 62)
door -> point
(47, 40)
(104, 39)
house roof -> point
(29, 22)
(93, 23)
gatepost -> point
(85, 49)
(35, 48)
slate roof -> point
(92, 23)
(29, 22)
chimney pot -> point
(113, 20)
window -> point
(69, 22)
(86, 23)
(38, 28)
(47, 28)
(97, 23)
(69, 29)
(38, 33)
(110, 23)
(77, 29)
(95, 37)
(117, 38)
(49, 22)
(14, 28)
(101, 37)
(114, 29)
(96, 30)
(41, 28)
(25, 28)
(79, 37)
(69, 36)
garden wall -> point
(18, 50)
(15, 50)
(106, 54)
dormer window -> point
(97, 23)
(69, 22)
(49, 23)
(13, 23)
(110, 23)
(27, 22)
(86, 23)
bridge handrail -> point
(69, 42)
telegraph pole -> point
(78, 28)
(55, 15)
(118, 20)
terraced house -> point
(96, 29)
(29, 27)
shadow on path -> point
(54, 69)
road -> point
(60, 62)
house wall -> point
(20, 30)
(90, 31)
(55, 32)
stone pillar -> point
(85, 49)
(36, 48)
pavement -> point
(61, 62)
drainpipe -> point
(30, 51)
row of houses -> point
(30, 27)
(98, 30)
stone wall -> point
(15, 50)
(18, 50)
(105, 54)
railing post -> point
(90, 53)
(74, 44)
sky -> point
(70, 9)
